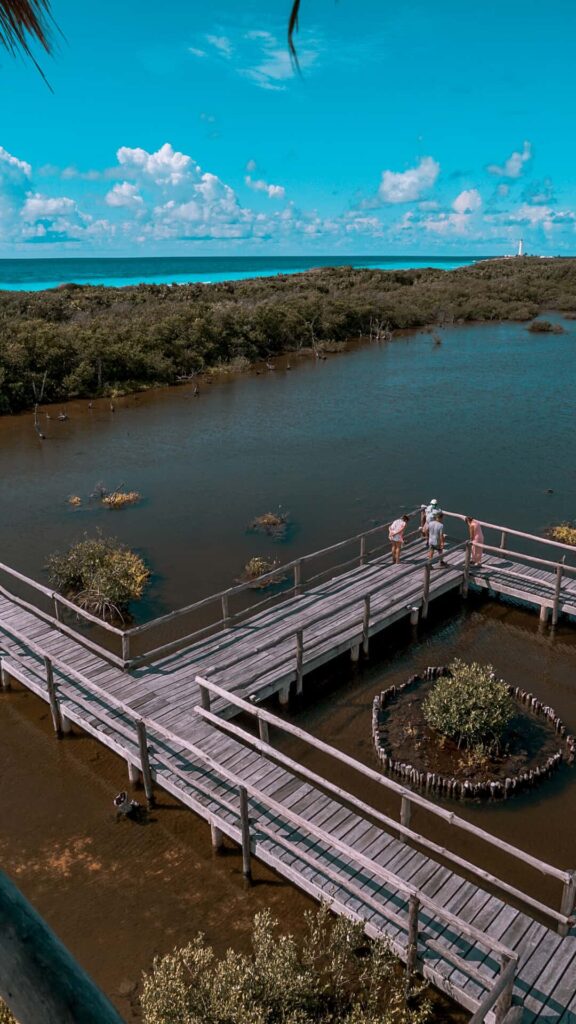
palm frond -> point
(23, 22)
(292, 29)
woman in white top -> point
(396, 536)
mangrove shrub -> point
(335, 974)
(100, 575)
(470, 706)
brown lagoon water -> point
(483, 422)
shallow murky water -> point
(484, 422)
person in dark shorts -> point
(436, 537)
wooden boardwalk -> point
(171, 720)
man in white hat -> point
(429, 512)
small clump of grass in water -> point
(274, 524)
(257, 567)
(565, 533)
(119, 499)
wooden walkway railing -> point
(128, 648)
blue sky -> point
(182, 128)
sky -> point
(184, 129)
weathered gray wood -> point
(412, 951)
(297, 577)
(52, 698)
(299, 660)
(245, 823)
(145, 761)
(426, 590)
(366, 626)
(556, 605)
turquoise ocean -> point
(37, 274)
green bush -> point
(470, 706)
(334, 975)
(100, 575)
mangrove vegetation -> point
(84, 341)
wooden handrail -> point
(264, 746)
(516, 533)
(54, 595)
(240, 587)
(504, 981)
(527, 558)
(546, 869)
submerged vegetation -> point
(100, 575)
(335, 974)
(275, 524)
(83, 341)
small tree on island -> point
(100, 575)
(470, 706)
(334, 974)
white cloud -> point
(124, 194)
(38, 206)
(272, 191)
(12, 165)
(164, 166)
(270, 64)
(406, 186)
(514, 165)
(251, 166)
(222, 44)
(196, 52)
(468, 201)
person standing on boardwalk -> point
(396, 536)
(436, 537)
(477, 538)
(427, 513)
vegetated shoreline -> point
(86, 341)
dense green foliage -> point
(95, 340)
(334, 976)
(470, 706)
(99, 574)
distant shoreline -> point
(45, 274)
(86, 342)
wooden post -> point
(299, 661)
(414, 614)
(412, 948)
(298, 578)
(4, 682)
(263, 731)
(426, 589)
(52, 697)
(245, 824)
(504, 1001)
(544, 610)
(125, 648)
(405, 813)
(204, 697)
(503, 539)
(284, 695)
(216, 836)
(225, 610)
(133, 774)
(366, 626)
(568, 901)
(56, 607)
(145, 762)
(556, 605)
(362, 550)
(466, 580)
(355, 653)
(38, 976)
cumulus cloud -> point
(539, 193)
(468, 201)
(37, 206)
(124, 194)
(514, 165)
(406, 186)
(11, 165)
(165, 165)
(272, 191)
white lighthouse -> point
(520, 247)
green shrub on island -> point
(545, 327)
(100, 575)
(334, 974)
(470, 706)
(91, 341)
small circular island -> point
(460, 732)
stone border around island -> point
(449, 786)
